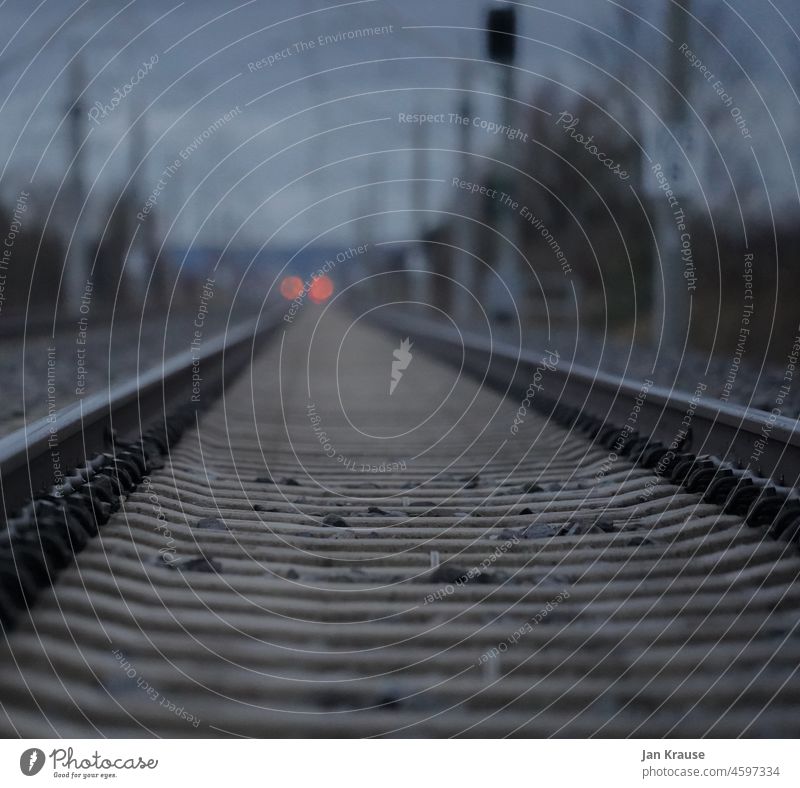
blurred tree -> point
(111, 249)
(590, 211)
(33, 263)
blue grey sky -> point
(315, 123)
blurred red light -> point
(291, 287)
(321, 289)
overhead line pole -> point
(671, 301)
(77, 262)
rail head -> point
(766, 444)
(39, 456)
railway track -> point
(312, 555)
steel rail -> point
(35, 457)
(766, 444)
(13, 327)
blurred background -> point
(616, 180)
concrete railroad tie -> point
(392, 577)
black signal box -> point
(501, 27)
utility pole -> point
(501, 27)
(417, 259)
(370, 199)
(466, 263)
(138, 264)
(671, 302)
(77, 262)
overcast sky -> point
(334, 107)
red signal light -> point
(291, 287)
(321, 289)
